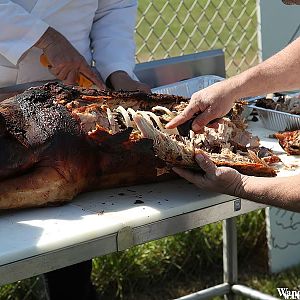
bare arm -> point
(283, 192)
(279, 72)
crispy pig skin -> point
(49, 154)
(251, 169)
(289, 141)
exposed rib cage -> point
(150, 116)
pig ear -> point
(37, 188)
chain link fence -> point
(173, 28)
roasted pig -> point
(58, 141)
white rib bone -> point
(131, 111)
(158, 123)
(148, 115)
(113, 125)
(125, 115)
(145, 115)
(163, 109)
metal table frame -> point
(230, 288)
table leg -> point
(230, 262)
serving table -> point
(36, 241)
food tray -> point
(187, 88)
(277, 120)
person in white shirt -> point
(281, 72)
(72, 34)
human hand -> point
(210, 103)
(216, 179)
(65, 61)
(120, 80)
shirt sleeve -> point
(20, 30)
(112, 37)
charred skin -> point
(251, 169)
(71, 165)
(45, 158)
(15, 158)
(126, 163)
(41, 158)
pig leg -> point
(43, 186)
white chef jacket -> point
(106, 26)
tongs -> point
(184, 128)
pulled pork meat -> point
(284, 103)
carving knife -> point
(184, 128)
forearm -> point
(280, 72)
(283, 192)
